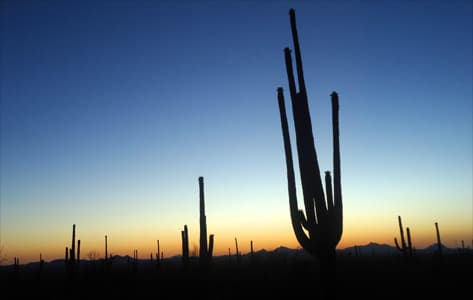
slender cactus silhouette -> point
(71, 259)
(185, 245)
(323, 218)
(158, 260)
(237, 251)
(106, 248)
(16, 264)
(405, 248)
(73, 246)
(205, 253)
(78, 252)
(439, 243)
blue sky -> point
(111, 110)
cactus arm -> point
(409, 242)
(295, 37)
(296, 109)
(290, 73)
(308, 165)
(397, 245)
(439, 242)
(291, 181)
(328, 191)
(403, 241)
(211, 246)
(338, 206)
(303, 220)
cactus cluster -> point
(405, 248)
(72, 255)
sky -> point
(111, 110)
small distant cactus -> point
(405, 248)
(135, 260)
(41, 266)
(72, 256)
(439, 243)
(158, 260)
(185, 245)
(78, 251)
(106, 248)
(205, 253)
(237, 252)
(16, 264)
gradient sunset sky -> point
(111, 110)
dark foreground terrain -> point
(358, 277)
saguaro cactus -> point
(73, 246)
(205, 253)
(106, 248)
(406, 249)
(185, 245)
(16, 264)
(439, 243)
(323, 218)
(78, 251)
(72, 257)
(237, 251)
(158, 254)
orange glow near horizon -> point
(264, 237)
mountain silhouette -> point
(281, 252)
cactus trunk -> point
(205, 252)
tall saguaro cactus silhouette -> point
(205, 253)
(318, 230)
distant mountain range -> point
(385, 249)
(280, 253)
